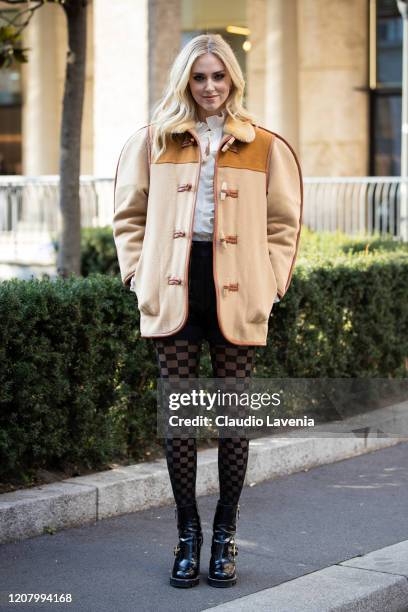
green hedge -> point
(346, 318)
(77, 383)
(98, 252)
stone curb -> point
(374, 582)
(84, 499)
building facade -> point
(325, 74)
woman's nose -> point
(209, 86)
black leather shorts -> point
(202, 322)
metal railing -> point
(355, 205)
(30, 217)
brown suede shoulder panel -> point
(250, 156)
(175, 153)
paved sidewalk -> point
(375, 582)
(289, 529)
(84, 499)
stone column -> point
(333, 43)
(43, 79)
(42, 91)
(164, 43)
(273, 65)
(281, 89)
(256, 58)
(120, 78)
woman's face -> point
(210, 84)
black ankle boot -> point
(223, 548)
(186, 567)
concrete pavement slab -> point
(391, 559)
(334, 589)
(27, 512)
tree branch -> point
(20, 15)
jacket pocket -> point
(261, 287)
(147, 286)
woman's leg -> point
(235, 362)
(180, 359)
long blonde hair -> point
(178, 105)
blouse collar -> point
(213, 122)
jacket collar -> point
(241, 130)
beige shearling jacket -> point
(258, 201)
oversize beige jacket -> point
(258, 199)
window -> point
(385, 87)
(10, 117)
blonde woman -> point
(208, 209)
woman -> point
(207, 220)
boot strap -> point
(177, 548)
(226, 547)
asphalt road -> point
(288, 527)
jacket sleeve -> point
(285, 209)
(131, 191)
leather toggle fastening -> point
(230, 239)
(174, 281)
(230, 287)
(188, 142)
(231, 193)
(185, 187)
(225, 192)
(178, 234)
(228, 144)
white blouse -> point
(210, 134)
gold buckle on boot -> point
(233, 549)
(176, 550)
